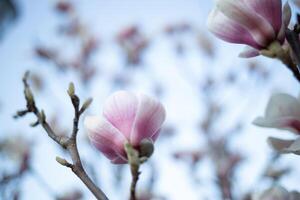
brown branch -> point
(68, 143)
(292, 38)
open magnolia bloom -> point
(127, 118)
(256, 23)
(282, 112)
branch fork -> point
(67, 142)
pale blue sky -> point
(105, 18)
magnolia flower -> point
(283, 112)
(127, 118)
(256, 23)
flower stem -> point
(275, 50)
(134, 162)
(135, 177)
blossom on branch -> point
(282, 112)
(127, 118)
(256, 23)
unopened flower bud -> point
(71, 90)
(146, 148)
(129, 119)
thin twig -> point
(68, 143)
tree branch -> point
(293, 39)
(68, 143)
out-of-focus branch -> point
(68, 143)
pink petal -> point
(149, 118)
(155, 136)
(269, 9)
(237, 10)
(105, 137)
(228, 30)
(120, 110)
(119, 160)
(294, 124)
(249, 53)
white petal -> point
(279, 144)
(283, 105)
(284, 123)
(294, 147)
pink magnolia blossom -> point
(126, 118)
(256, 23)
(282, 112)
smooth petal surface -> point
(283, 112)
(285, 123)
(229, 30)
(120, 110)
(105, 137)
(269, 9)
(279, 144)
(283, 105)
(149, 118)
(293, 148)
(119, 160)
(155, 135)
(249, 52)
(237, 10)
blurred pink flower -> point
(256, 23)
(282, 112)
(126, 118)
